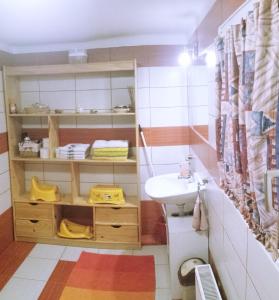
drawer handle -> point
(33, 204)
(116, 207)
(116, 226)
(34, 221)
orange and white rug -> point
(111, 277)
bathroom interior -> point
(138, 155)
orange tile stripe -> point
(155, 136)
(6, 229)
(11, 258)
(3, 142)
(57, 281)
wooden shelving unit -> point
(38, 221)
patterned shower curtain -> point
(247, 77)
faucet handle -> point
(188, 157)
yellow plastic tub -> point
(69, 229)
(111, 194)
(45, 192)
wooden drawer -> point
(34, 228)
(116, 215)
(38, 211)
(116, 233)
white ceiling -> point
(53, 25)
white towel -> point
(111, 144)
(199, 222)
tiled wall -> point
(162, 112)
(162, 103)
(244, 266)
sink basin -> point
(170, 189)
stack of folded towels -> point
(110, 150)
(73, 151)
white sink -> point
(171, 189)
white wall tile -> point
(1, 81)
(145, 173)
(235, 269)
(130, 189)
(263, 272)
(4, 162)
(171, 116)
(3, 127)
(59, 172)
(93, 81)
(236, 229)
(212, 101)
(58, 83)
(122, 80)
(198, 95)
(5, 201)
(94, 99)
(33, 169)
(89, 122)
(143, 98)
(58, 99)
(120, 97)
(169, 154)
(168, 97)
(212, 131)
(29, 84)
(144, 117)
(2, 102)
(101, 174)
(164, 169)
(198, 75)
(5, 181)
(29, 98)
(198, 115)
(144, 152)
(167, 76)
(143, 77)
(251, 292)
(125, 174)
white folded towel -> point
(111, 144)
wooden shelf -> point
(66, 199)
(99, 114)
(127, 65)
(39, 223)
(128, 161)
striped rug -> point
(111, 277)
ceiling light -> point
(210, 59)
(184, 59)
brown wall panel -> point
(206, 154)
(3, 142)
(166, 136)
(154, 136)
(208, 29)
